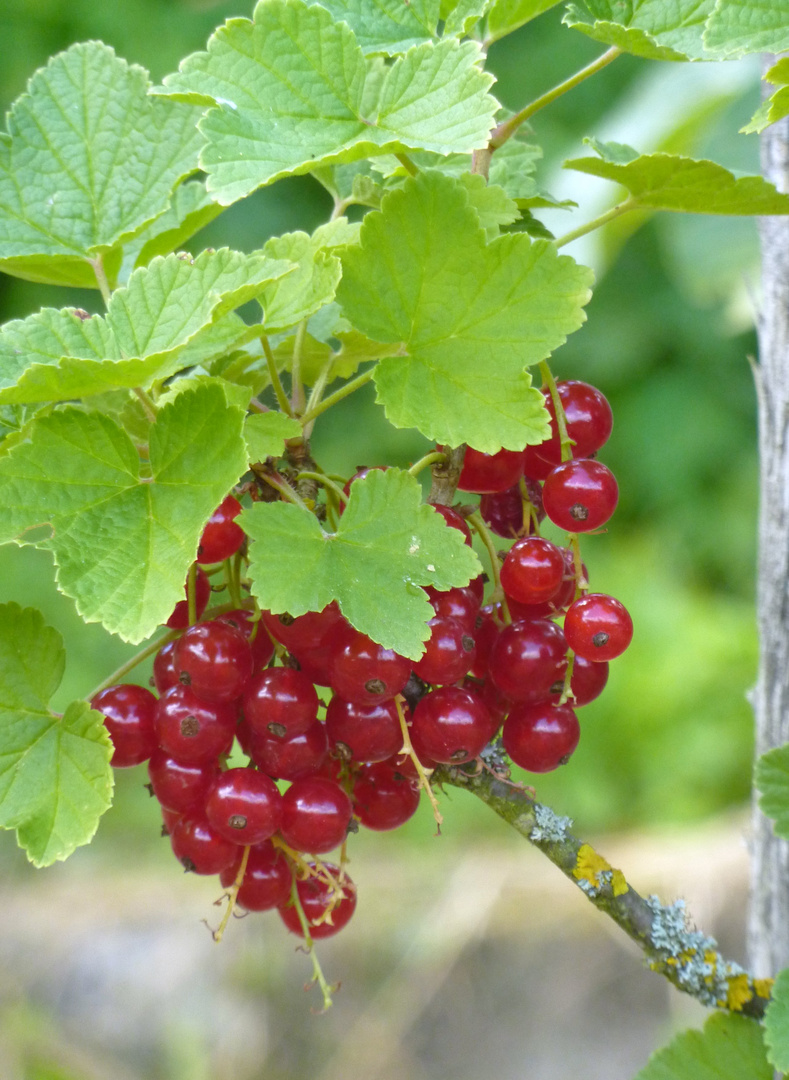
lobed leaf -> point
(507, 15)
(775, 107)
(729, 1048)
(776, 1023)
(654, 29)
(470, 315)
(55, 774)
(122, 541)
(292, 92)
(386, 26)
(737, 27)
(90, 160)
(265, 434)
(191, 209)
(387, 545)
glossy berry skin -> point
(280, 702)
(316, 896)
(308, 631)
(449, 652)
(580, 496)
(129, 712)
(535, 468)
(315, 663)
(383, 798)
(461, 604)
(507, 514)
(540, 737)
(450, 725)
(177, 785)
(598, 627)
(558, 603)
(316, 813)
(179, 619)
(364, 671)
(192, 730)
(528, 659)
(363, 732)
(165, 673)
(221, 536)
(255, 632)
(267, 878)
(244, 806)
(533, 570)
(486, 473)
(215, 660)
(588, 680)
(199, 848)
(486, 631)
(453, 518)
(288, 758)
(588, 416)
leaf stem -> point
(428, 459)
(284, 488)
(507, 128)
(596, 223)
(101, 279)
(324, 481)
(297, 398)
(344, 391)
(276, 382)
(407, 164)
(151, 648)
(147, 402)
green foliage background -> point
(668, 339)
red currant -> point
(540, 737)
(221, 537)
(450, 725)
(192, 730)
(364, 671)
(129, 712)
(486, 473)
(598, 627)
(453, 518)
(255, 632)
(281, 702)
(363, 732)
(288, 758)
(580, 496)
(199, 848)
(449, 652)
(327, 911)
(528, 659)
(533, 570)
(308, 631)
(316, 813)
(177, 785)
(215, 660)
(384, 798)
(588, 416)
(244, 806)
(267, 878)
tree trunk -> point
(768, 922)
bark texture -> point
(768, 922)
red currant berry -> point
(453, 518)
(540, 737)
(199, 848)
(486, 632)
(244, 806)
(364, 671)
(221, 537)
(450, 725)
(588, 416)
(528, 659)
(461, 604)
(486, 473)
(267, 878)
(179, 619)
(288, 758)
(165, 673)
(580, 496)
(255, 632)
(598, 627)
(280, 702)
(178, 786)
(308, 631)
(533, 570)
(215, 660)
(534, 467)
(588, 680)
(327, 910)
(449, 652)
(505, 512)
(129, 712)
(193, 730)
(315, 815)
(363, 732)
(384, 798)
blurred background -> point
(466, 955)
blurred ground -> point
(461, 962)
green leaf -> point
(494, 208)
(684, 185)
(293, 92)
(265, 434)
(55, 774)
(507, 15)
(386, 26)
(737, 27)
(289, 301)
(776, 107)
(655, 29)
(387, 545)
(464, 16)
(58, 355)
(191, 209)
(729, 1048)
(772, 779)
(122, 541)
(776, 1023)
(90, 161)
(471, 315)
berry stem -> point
(534, 520)
(191, 598)
(598, 222)
(101, 279)
(233, 578)
(407, 164)
(317, 972)
(422, 773)
(129, 665)
(287, 492)
(276, 382)
(446, 475)
(429, 459)
(565, 441)
(325, 482)
(507, 128)
(232, 897)
(297, 398)
(497, 596)
(350, 387)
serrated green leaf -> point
(494, 208)
(90, 160)
(55, 774)
(507, 15)
(654, 29)
(351, 183)
(191, 209)
(293, 93)
(386, 26)
(265, 434)
(737, 27)
(471, 316)
(685, 185)
(776, 107)
(387, 545)
(288, 302)
(776, 1023)
(122, 541)
(772, 779)
(150, 324)
(729, 1048)
(464, 16)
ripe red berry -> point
(193, 730)
(199, 848)
(533, 570)
(255, 632)
(308, 631)
(280, 702)
(588, 416)
(598, 627)
(215, 660)
(580, 496)
(363, 732)
(453, 518)
(507, 514)
(528, 659)
(486, 473)
(287, 758)
(450, 725)
(540, 737)
(267, 878)
(364, 671)
(244, 806)
(179, 786)
(449, 652)
(129, 712)
(327, 911)
(221, 536)
(316, 813)
(179, 619)
(383, 797)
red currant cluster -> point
(253, 677)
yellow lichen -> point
(739, 992)
(763, 987)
